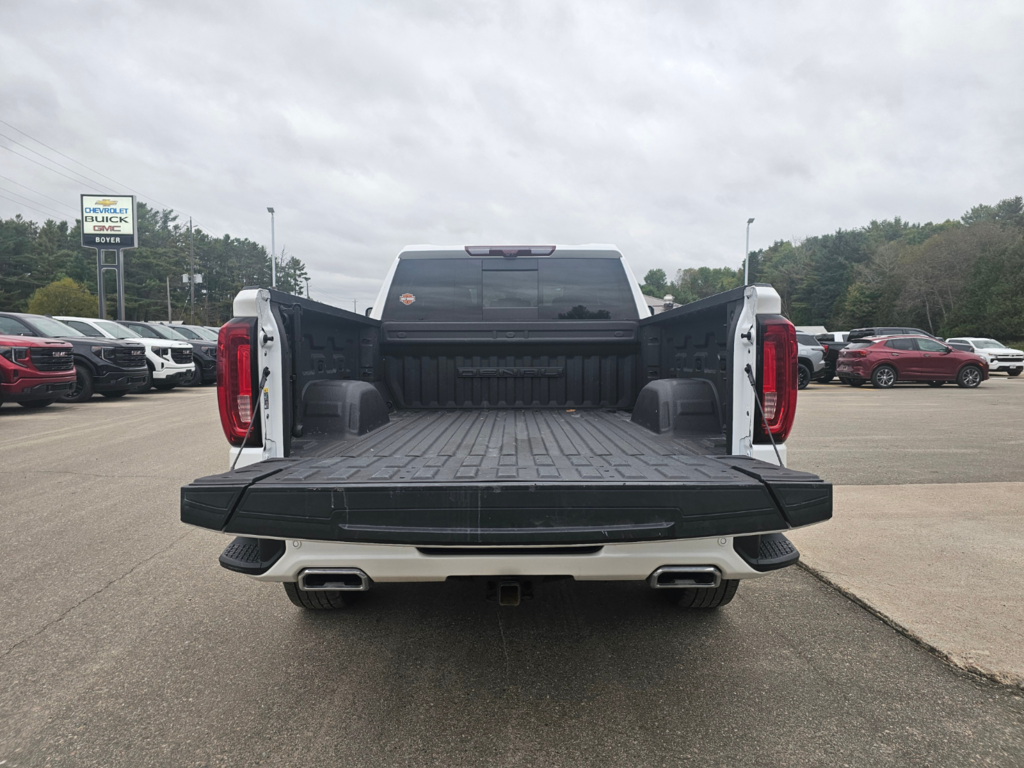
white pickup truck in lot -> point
(169, 362)
(1000, 358)
(510, 414)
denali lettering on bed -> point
(522, 417)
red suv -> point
(34, 372)
(891, 359)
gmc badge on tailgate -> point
(515, 373)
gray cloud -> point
(659, 126)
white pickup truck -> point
(510, 414)
(169, 362)
(999, 357)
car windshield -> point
(188, 333)
(117, 331)
(988, 344)
(206, 333)
(50, 327)
(166, 332)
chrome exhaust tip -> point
(685, 577)
(333, 580)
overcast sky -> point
(658, 126)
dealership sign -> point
(108, 222)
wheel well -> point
(805, 362)
(80, 361)
(879, 364)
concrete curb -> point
(1008, 681)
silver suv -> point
(811, 357)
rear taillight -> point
(825, 347)
(777, 378)
(235, 381)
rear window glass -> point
(859, 344)
(806, 338)
(509, 289)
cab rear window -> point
(484, 289)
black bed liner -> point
(509, 477)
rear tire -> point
(320, 601)
(114, 395)
(703, 598)
(883, 377)
(83, 387)
(803, 377)
(1013, 373)
(969, 377)
(32, 404)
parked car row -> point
(886, 356)
(47, 359)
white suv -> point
(999, 357)
(170, 362)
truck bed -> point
(507, 477)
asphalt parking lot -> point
(123, 643)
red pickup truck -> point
(34, 372)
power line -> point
(91, 181)
(26, 205)
(33, 202)
(77, 181)
(34, 191)
(79, 162)
(49, 160)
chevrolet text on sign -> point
(108, 221)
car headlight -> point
(106, 353)
(18, 355)
(162, 351)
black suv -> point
(888, 330)
(204, 352)
(109, 367)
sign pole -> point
(99, 285)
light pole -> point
(273, 251)
(746, 255)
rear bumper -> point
(612, 562)
(27, 389)
(113, 382)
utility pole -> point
(192, 272)
(746, 255)
(168, 299)
(307, 287)
(273, 252)
(354, 307)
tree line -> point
(960, 277)
(34, 257)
